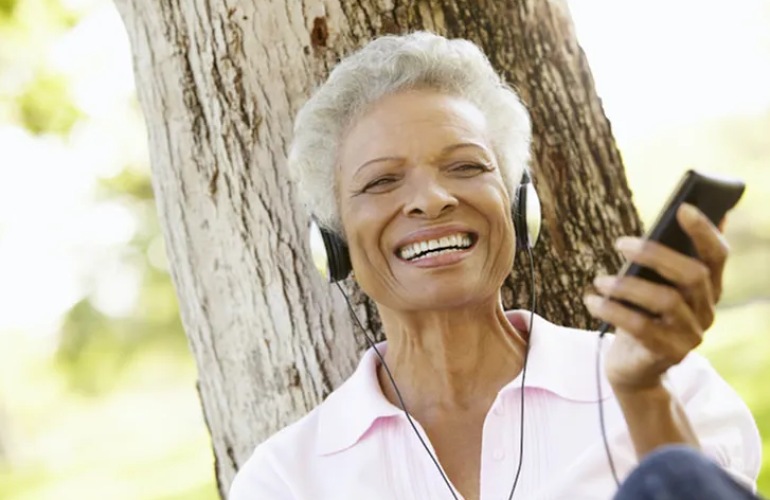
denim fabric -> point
(680, 473)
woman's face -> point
(423, 205)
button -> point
(498, 454)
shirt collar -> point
(561, 360)
(353, 408)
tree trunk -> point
(220, 83)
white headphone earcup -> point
(527, 217)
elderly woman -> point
(411, 153)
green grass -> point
(146, 439)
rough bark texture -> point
(220, 82)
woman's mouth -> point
(429, 249)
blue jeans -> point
(680, 473)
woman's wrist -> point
(652, 388)
(654, 417)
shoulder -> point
(558, 341)
(264, 474)
(296, 457)
(700, 387)
(724, 425)
(550, 334)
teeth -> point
(446, 244)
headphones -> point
(332, 257)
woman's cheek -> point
(370, 264)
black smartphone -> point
(711, 194)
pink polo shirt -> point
(357, 445)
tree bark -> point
(220, 83)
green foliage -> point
(738, 348)
(60, 14)
(144, 439)
(45, 106)
(51, 16)
(7, 8)
(14, 481)
(94, 349)
(31, 93)
(131, 181)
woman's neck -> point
(450, 359)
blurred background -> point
(97, 386)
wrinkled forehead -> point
(414, 125)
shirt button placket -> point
(497, 456)
(499, 452)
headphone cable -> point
(524, 370)
(398, 393)
(602, 331)
(401, 402)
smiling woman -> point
(415, 168)
(411, 154)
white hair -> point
(388, 65)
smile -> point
(434, 247)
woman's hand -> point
(646, 347)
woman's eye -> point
(382, 182)
(469, 168)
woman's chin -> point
(450, 280)
(443, 294)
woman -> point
(414, 140)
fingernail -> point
(689, 212)
(592, 301)
(604, 282)
(627, 243)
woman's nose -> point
(428, 198)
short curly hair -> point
(388, 65)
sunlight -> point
(660, 63)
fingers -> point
(670, 338)
(722, 224)
(709, 242)
(660, 300)
(649, 345)
(691, 277)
